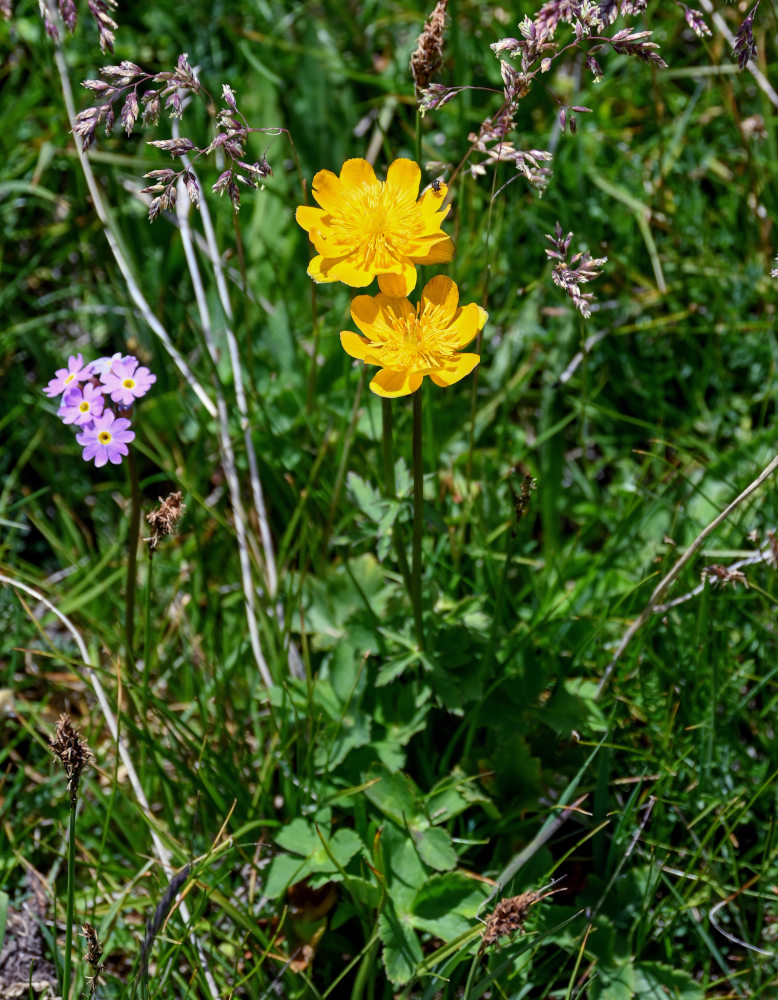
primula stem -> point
(132, 557)
(418, 514)
(70, 904)
(147, 632)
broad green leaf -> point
(613, 982)
(435, 847)
(446, 905)
(404, 870)
(299, 837)
(395, 795)
(282, 872)
(658, 982)
(402, 952)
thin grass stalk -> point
(161, 851)
(418, 515)
(225, 443)
(70, 904)
(122, 263)
(255, 482)
(132, 559)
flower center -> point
(128, 383)
(84, 406)
(70, 378)
(415, 343)
(104, 437)
(379, 222)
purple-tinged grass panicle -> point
(136, 96)
(695, 19)
(745, 46)
(579, 270)
(538, 45)
(428, 56)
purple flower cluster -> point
(86, 390)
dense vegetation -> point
(325, 778)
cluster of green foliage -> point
(346, 827)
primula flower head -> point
(105, 439)
(103, 365)
(64, 378)
(367, 228)
(80, 405)
(410, 342)
(126, 382)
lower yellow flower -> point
(367, 228)
(410, 342)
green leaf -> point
(658, 982)
(446, 905)
(395, 795)
(435, 848)
(405, 872)
(298, 837)
(402, 952)
(282, 872)
(613, 982)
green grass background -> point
(400, 783)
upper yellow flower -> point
(409, 343)
(367, 228)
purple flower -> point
(103, 365)
(75, 372)
(80, 405)
(126, 382)
(105, 439)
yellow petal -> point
(353, 344)
(440, 293)
(432, 202)
(470, 320)
(440, 252)
(460, 366)
(393, 285)
(349, 273)
(328, 190)
(391, 384)
(355, 172)
(318, 270)
(405, 175)
(309, 217)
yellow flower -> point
(367, 228)
(409, 343)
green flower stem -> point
(390, 488)
(70, 905)
(147, 631)
(418, 514)
(386, 445)
(132, 557)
